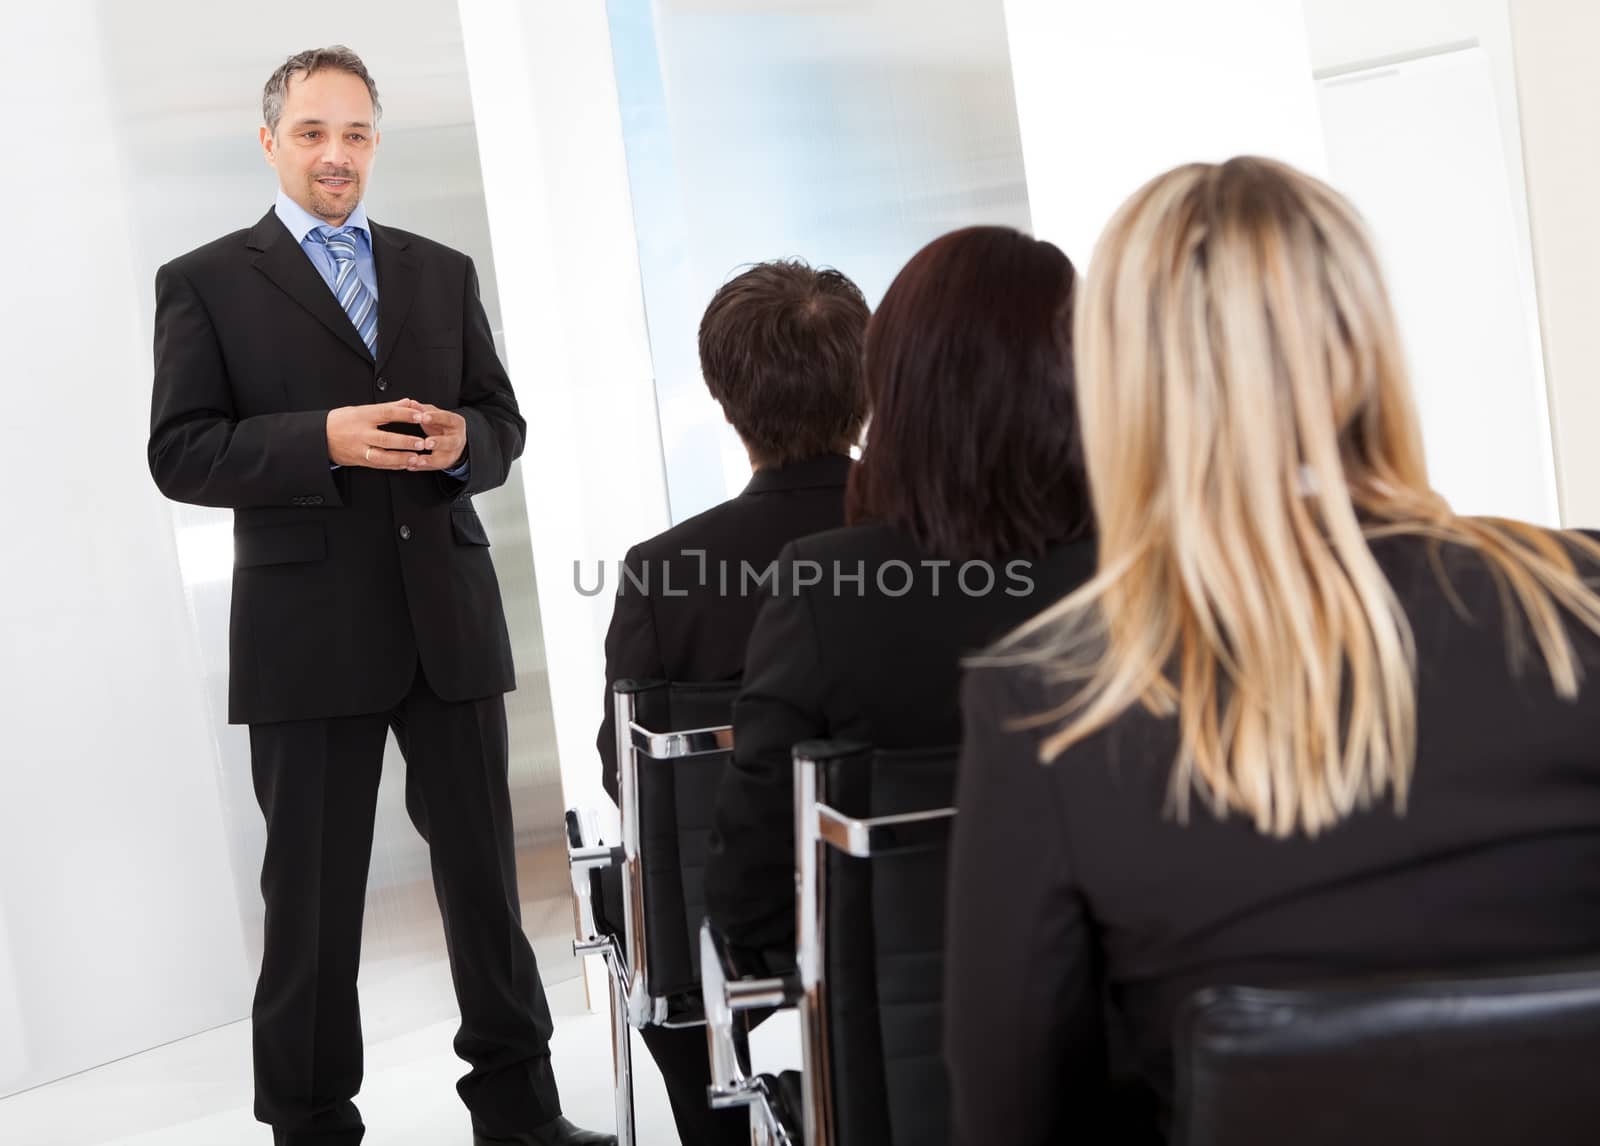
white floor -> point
(196, 1092)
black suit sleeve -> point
(1024, 1029)
(200, 450)
(632, 653)
(495, 428)
(750, 875)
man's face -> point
(325, 143)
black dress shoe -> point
(557, 1133)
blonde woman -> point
(1304, 722)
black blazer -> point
(1070, 879)
(687, 611)
(878, 663)
(342, 578)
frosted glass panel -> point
(844, 134)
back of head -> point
(1248, 425)
(780, 349)
(973, 446)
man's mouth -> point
(335, 184)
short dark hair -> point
(335, 58)
(780, 349)
(974, 447)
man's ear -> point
(268, 144)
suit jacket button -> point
(405, 533)
(382, 385)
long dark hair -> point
(973, 447)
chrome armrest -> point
(678, 745)
(819, 827)
(585, 854)
(637, 745)
(881, 835)
(723, 994)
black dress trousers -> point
(317, 783)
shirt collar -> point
(302, 222)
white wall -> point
(1416, 145)
(1421, 106)
(118, 903)
(1349, 34)
(1111, 94)
(555, 179)
(1559, 88)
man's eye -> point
(312, 134)
(358, 139)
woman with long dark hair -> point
(968, 514)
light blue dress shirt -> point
(301, 223)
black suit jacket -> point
(342, 578)
(856, 661)
(1071, 878)
(690, 620)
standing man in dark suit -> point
(780, 349)
(335, 383)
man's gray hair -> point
(335, 58)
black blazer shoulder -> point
(871, 651)
(718, 527)
(775, 508)
(217, 253)
(429, 248)
(688, 599)
(880, 590)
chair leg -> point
(621, 1060)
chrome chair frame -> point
(818, 826)
(627, 956)
(725, 995)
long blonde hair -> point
(1248, 428)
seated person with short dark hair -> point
(969, 514)
(781, 349)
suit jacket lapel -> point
(280, 258)
(398, 270)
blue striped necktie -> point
(348, 288)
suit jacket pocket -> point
(280, 544)
(466, 526)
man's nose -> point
(335, 151)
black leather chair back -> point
(883, 953)
(1492, 1061)
(676, 802)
